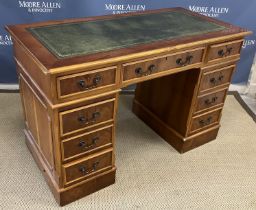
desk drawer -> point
(86, 143)
(216, 78)
(87, 167)
(223, 50)
(87, 116)
(210, 100)
(205, 120)
(85, 82)
(150, 66)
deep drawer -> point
(216, 78)
(205, 120)
(87, 116)
(219, 51)
(210, 100)
(87, 167)
(85, 82)
(147, 67)
(83, 144)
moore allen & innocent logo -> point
(124, 8)
(5, 40)
(40, 7)
(209, 11)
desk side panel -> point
(32, 68)
(38, 124)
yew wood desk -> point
(71, 72)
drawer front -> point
(84, 117)
(216, 78)
(86, 143)
(147, 67)
(87, 167)
(205, 120)
(85, 82)
(210, 100)
(223, 50)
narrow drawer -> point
(210, 100)
(216, 78)
(87, 116)
(87, 167)
(86, 81)
(151, 66)
(205, 120)
(219, 51)
(89, 142)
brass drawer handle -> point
(85, 171)
(205, 122)
(95, 82)
(139, 71)
(212, 101)
(187, 61)
(84, 120)
(223, 53)
(83, 145)
(214, 80)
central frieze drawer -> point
(154, 65)
(84, 82)
(87, 116)
(87, 167)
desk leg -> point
(166, 105)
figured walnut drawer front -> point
(147, 67)
(86, 81)
(210, 100)
(83, 144)
(216, 78)
(87, 167)
(223, 50)
(87, 116)
(205, 120)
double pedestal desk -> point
(71, 72)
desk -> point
(71, 71)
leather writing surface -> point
(82, 38)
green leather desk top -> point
(83, 38)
